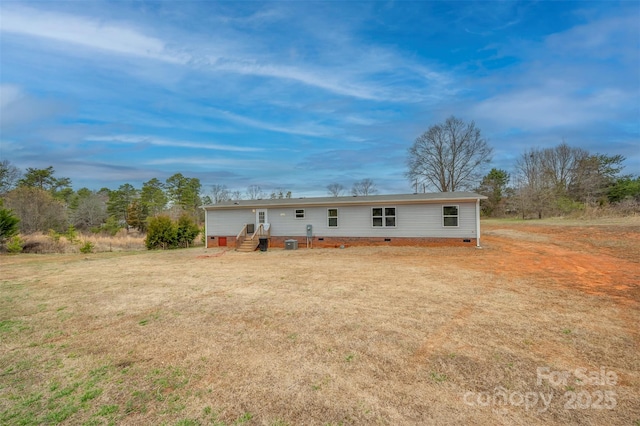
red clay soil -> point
(601, 260)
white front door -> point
(261, 217)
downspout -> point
(206, 233)
(478, 222)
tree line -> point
(449, 156)
(558, 181)
(42, 201)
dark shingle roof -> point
(351, 200)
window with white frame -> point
(383, 217)
(299, 213)
(450, 215)
(332, 218)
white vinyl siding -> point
(228, 222)
(412, 220)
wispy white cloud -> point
(211, 162)
(196, 85)
(538, 109)
(602, 38)
(352, 72)
(9, 94)
(91, 33)
(576, 78)
(306, 129)
(18, 108)
(323, 79)
(359, 120)
(153, 140)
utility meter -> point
(309, 231)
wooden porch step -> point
(248, 246)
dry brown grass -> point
(47, 244)
(357, 336)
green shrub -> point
(87, 247)
(71, 234)
(161, 233)
(15, 244)
(111, 226)
(54, 236)
(8, 224)
(186, 231)
(566, 205)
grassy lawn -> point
(531, 329)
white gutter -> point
(478, 222)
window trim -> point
(384, 217)
(295, 214)
(336, 217)
(457, 216)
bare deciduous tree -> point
(364, 187)
(280, 193)
(37, 210)
(254, 192)
(90, 212)
(551, 180)
(335, 189)
(448, 156)
(9, 176)
(594, 175)
(533, 189)
(559, 166)
(220, 193)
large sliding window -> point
(383, 217)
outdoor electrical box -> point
(309, 231)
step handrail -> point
(259, 232)
(242, 235)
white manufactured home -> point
(404, 219)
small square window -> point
(299, 213)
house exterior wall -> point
(355, 221)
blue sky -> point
(298, 95)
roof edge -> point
(419, 198)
